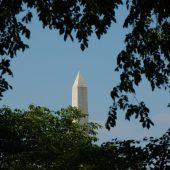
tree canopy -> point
(79, 17)
(40, 139)
(146, 53)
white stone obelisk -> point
(79, 96)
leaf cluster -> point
(42, 139)
(73, 19)
(146, 55)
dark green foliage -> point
(158, 152)
(146, 54)
(73, 19)
(41, 139)
(152, 153)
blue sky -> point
(44, 74)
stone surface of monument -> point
(80, 96)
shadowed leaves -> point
(73, 19)
(146, 55)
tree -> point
(81, 17)
(150, 153)
(43, 139)
(146, 54)
(158, 152)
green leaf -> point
(82, 47)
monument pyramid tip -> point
(79, 81)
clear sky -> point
(44, 75)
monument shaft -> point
(79, 96)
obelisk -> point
(79, 96)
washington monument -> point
(79, 96)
